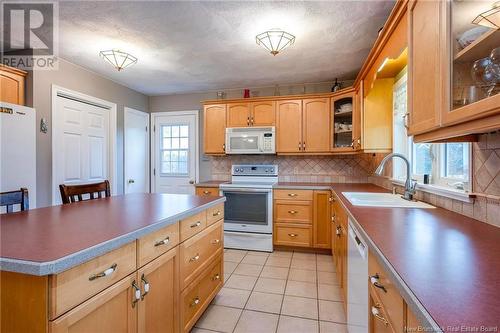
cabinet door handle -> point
(217, 213)
(304, 145)
(376, 314)
(251, 120)
(216, 277)
(293, 211)
(405, 121)
(104, 273)
(292, 235)
(195, 258)
(146, 286)
(292, 194)
(136, 296)
(339, 231)
(195, 301)
(248, 121)
(195, 225)
(215, 241)
(224, 147)
(300, 145)
(374, 279)
(163, 241)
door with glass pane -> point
(175, 153)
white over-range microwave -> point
(251, 140)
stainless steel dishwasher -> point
(357, 282)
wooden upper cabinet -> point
(356, 119)
(214, 128)
(289, 123)
(426, 74)
(12, 85)
(158, 310)
(263, 113)
(238, 115)
(316, 125)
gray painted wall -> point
(79, 79)
(184, 102)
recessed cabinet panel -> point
(214, 128)
(238, 115)
(316, 125)
(263, 113)
(289, 123)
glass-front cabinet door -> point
(474, 41)
(345, 122)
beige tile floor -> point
(281, 292)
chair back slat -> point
(74, 193)
(12, 198)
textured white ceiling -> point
(199, 46)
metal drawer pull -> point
(217, 213)
(339, 231)
(374, 280)
(206, 192)
(216, 241)
(195, 301)
(146, 286)
(292, 235)
(137, 293)
(163, 242)
(376, 314)
(104, 273)
(195, 258)
(292, 194)
(293, 211)
(215, 277)
(197, 224)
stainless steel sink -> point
(368, 199)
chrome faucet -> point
(410, 184)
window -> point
(447, 164)
(174, 149)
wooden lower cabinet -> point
(302, 218)
(339, 245)
(207, 191)
(196, 297)
(158, 309)
(108, 311)
(378, 322)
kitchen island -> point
(123, 264)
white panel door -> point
(175, 153)
(81, 144)
(136, 140)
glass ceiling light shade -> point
(118, 59)
(275, 40)
(489, 18)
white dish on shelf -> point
(471, 35)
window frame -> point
(162, 149)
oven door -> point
(248, 210)
(243, 143)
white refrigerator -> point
(18, 149)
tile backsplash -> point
(486, 164)
(322, 169)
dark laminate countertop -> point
(49, 240)
(448, 262)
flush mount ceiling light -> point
(118, 59)
(275, 40)
(489, 18)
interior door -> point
(136, 139)
(80, 144)
(316, 125)
(289, 123)
(175, 153)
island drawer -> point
(198, 295)
(208, 191)
(293, 194)
(292, 211)
(215, 213)
(293, 235)
(72, 287)
(192, 225)
(385, 290)
(155, 244)
(197, 251)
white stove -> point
(248, 211)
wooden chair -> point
(9, 199)
(74, 193)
